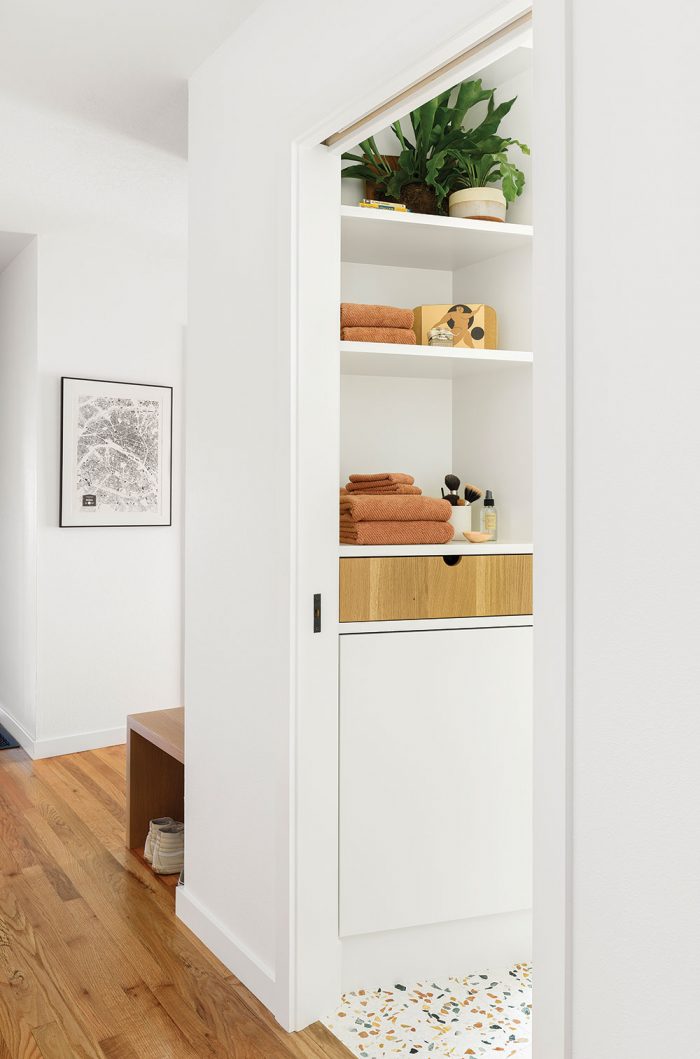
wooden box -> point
(473, 325)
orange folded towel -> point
(393, 509)
(396, 532)
(382, 489)
(395, 335)
(385, 476)
(354, 314)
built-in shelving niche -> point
(428, 411)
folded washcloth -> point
(393, 509)
(354, 314)
(385, 476)
(394, 335)
(382, 489)
(395, 532)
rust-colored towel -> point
(394, 335)
(395, 532)
(382, 489)
(354, 314)
(393, 509)
(385, 476)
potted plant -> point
(444, 158)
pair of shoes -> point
(169, 849)
(154, 827)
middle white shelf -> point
(423, 362)
(455, 547)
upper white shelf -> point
(418, 240)
(423, 362)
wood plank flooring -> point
(93, 962)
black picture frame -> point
(167, 476)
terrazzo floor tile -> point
(480, 1015)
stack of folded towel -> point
(382, 484)
(376, 323)
(380, 518)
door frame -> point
(310, 909)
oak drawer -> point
(409, 587)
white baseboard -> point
(259, 978)
(25, 740)
(438, 950)
(74, 744)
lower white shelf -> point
(366, 551)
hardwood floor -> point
(93, 962)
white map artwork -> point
(118, 452)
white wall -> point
(240, 651)
(636, 729)
(18, 443)
(110, 215)
(396, 425)
(492, 442)
(109, 600)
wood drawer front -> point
(417, 586)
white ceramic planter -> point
(478, 204)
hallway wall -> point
(18, 444)
(110, 216)
(109, 599)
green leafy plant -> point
(444, 156)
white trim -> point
(313, 790)
(457, 42)
(553, 529)
(240, 960)
(510, 621)
(17, 731)
(78, 742)
(63, 744)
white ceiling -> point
(122, 64)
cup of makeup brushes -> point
(461, 521)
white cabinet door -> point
(435, 776)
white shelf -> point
(417, 240)
(368, 551)
(423, 362)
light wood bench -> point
(155, 770)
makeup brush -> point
(471, 493)
(452, 483)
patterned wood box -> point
(474, 326)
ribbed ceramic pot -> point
(478, 204)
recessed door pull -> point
(317, 612)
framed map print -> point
(116, 453)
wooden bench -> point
(155, 770)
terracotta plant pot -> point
(376, 190)
(419, 198)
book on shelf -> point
(377, 204)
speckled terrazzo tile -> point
(481, 1015)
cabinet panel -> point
(435, 776)
(417, 586)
